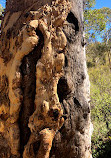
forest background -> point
(97, 32)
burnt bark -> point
(73, 139)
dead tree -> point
(44, 85)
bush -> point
(100, 78)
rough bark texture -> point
(44, 86)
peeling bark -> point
(44, 86)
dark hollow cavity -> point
(66, 61)
(62, 89)
(36, 147)
(54, 113)
(77, 103)
(28, 71)
(73, 20)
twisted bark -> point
(44, 86)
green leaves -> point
(89, 4)
(96, 53)
(100, 78)
(96, 20)
(98, 25)
(1, 10)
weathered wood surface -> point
(44, 85)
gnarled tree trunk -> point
(44, 86)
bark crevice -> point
(28, 71)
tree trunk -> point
(44, 85)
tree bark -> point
(44, 85)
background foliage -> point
(98, 26)
(1, 10)
(100, 78)
(97, 21)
